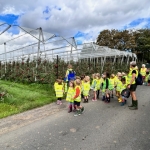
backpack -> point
(125, 93)
(139, 79)
(71, 75)
(149, 77)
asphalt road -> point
(101, 127)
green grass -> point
(22, 97)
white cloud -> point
(77, 15)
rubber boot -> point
(70, 109)
(131, 104)
(135, 106)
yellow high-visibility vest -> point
(119, 85)
(59, 91)
(86, 88)
(70, 94)
(111, 83)
(143, 71)
(78, 99)
(129, 77)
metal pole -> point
(5, 56)
(71, 51)
(57, 66)
(39, 42)
(38, 52)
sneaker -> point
(76, 114)
(122, 104)
(82, 109)
(58, 102)
(93, 100)
(74, 110)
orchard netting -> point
(32, 55)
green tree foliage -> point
(143, 44)
(137, 41)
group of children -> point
(78, 89)
(72, 90)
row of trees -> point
(137, 41)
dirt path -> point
(16, 121)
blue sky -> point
(82, 20)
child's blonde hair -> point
(98, 75)
(77, 77)
(59, 81)
(87, 79)
(73, 84)
(94, 76)
(69, 66)
(112, 76)
(78, 82)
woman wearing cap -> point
(133, 73)
(143, 72)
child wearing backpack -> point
(70, 73)
(105, 88)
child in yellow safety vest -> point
(116, 80)
(112, 84)
(70, 94)
(123, 87)
(98, 84)
(82, 81)
(118, 87)
(86, 88)
(143, 71)
(77, 98)
(105, 88)
(93, 87)
(59, 89)
(55, 84)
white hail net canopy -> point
(34, 43)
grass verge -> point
(21, 97)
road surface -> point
(101, 127)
